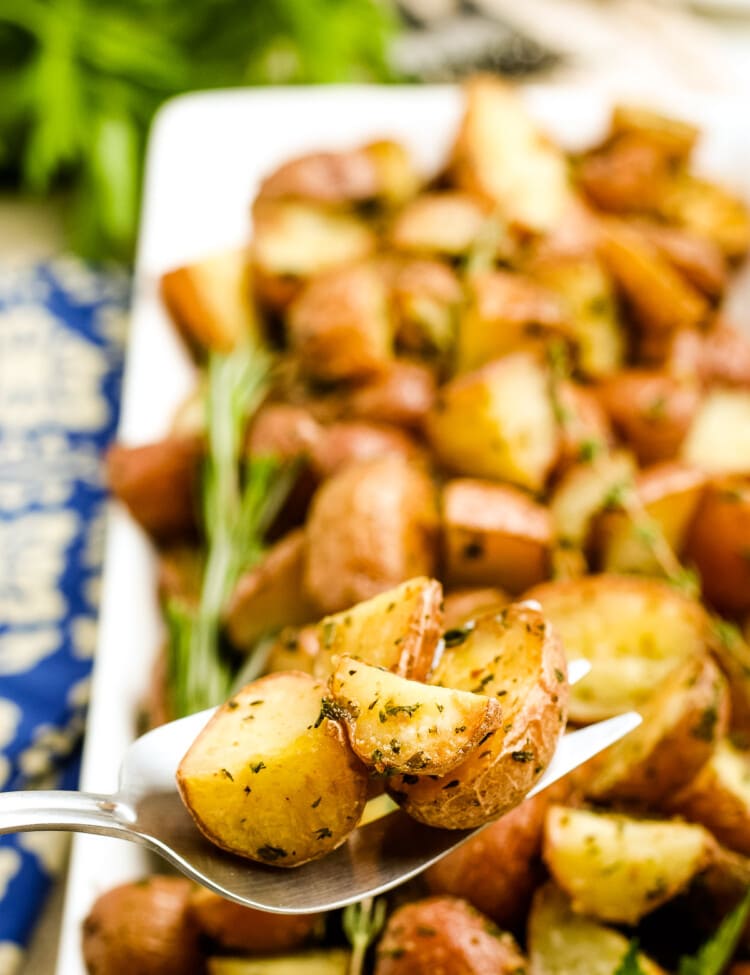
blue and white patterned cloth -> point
(61, 345)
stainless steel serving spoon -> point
(147, 809)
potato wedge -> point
(587, 488)
(271, 777)
(158, 484)
(719, 797)
(633, 632)
(377, 172)
(616, 868)
(211, 301)
(561, 942)
(733, 655)
(718, 440)
(396, 725)
(239, 928)
(515, 657)
(494, 535)
(661, 300)
(682, 722)
(653, 411)
(446, 935)
(427, 296)
(403, 395)
(668, 495)
(500, 155)
(588, 304)
(506, 311)
(270, 595)
(143, 927)
(398, 629)
(463, 605)
(284, 431)
(498, 423)
(325, 961)
(698, 260)
(448, 223)
(585, 431)
(626, 175)
(295, 648)
(340, 325)
(498, 869)
(351, 441)
(371, 526)
(673, 137)
(294, 240)
(709, 211)
(720, 357)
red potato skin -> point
(698, 259)
(402, 395)
(719, 357)
(718, 544)
(499, 869)
(586, 423)
(652, 411)
(358, 440)
(627, 176)
(285, 431)
(145, 928)
(158, 484)
(239, 928)
(445, 936)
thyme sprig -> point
(362, 923)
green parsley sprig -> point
(362, 923)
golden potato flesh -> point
(718, 440)
(371, 526)
(682, 722)
(516, 658)
(494, 535)
(498, 422)
(633, 632)
(440, 223)
(500, 155)
(709, 211)
(674, 137)
(397, 725)
(561, 942)
(271, 777)
(506, 312)
(426, 295)
(211, 302)
(616, 868)
(399, 629)
(698, 259)
(328, 961)
(719, 797)
(463, 605)
(586, 489)
(340, 325)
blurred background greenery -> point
(80, 81)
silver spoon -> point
(147, 809)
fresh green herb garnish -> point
(714, 956)
(362, 923)
(630, 964)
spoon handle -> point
(79, 812)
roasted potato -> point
(371, 526)
(402, 395)
(498, 870)
(270, 595)
(505, 312)
(498, 422)
(719, 797)
(158, 484)
(587, 301)
(667, 495)
(585, 431)
(295, 648)
(652, 411)
(709, 211)
(463, 605)
(673, 137)
(284, 431)
(516, 657)
(587, 488)
(426, 296)
(328, 961)
(210, 301)
(682, 722)
(294, 240)
(720, 357)
(340, 325)
(239, 928)
(633, 631)
(698, 260)
(398, 629)
(617, 868)
(494, 535)
(358, 440)
(501, 156)
(396, 725)
(271, 777)
(627, 175)
(718, 440)
(446, 935)
(377, 172)
(143, 927)
(733, 655)
(661, 300)
(448, 223)
(561, 942)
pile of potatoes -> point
(510, 384)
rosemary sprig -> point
(362, 923)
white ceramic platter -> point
(206, 157)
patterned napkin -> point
(62, 326)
